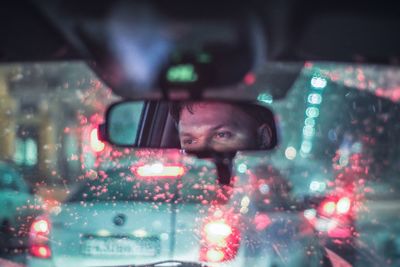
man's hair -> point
(261, 115)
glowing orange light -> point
(95, 143)
(159, 170)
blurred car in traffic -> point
(130, 216)
(19, 208)
(151, 212)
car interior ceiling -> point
(315, 25)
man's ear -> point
(264, 136)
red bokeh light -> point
(40, 251)
(249, 79)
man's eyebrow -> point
(185, 134)
(214, 128)
(219, 126)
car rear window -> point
(122, 185)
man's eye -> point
(188, 141)
(224, 135)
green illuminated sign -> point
(182, 73)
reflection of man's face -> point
(216, 126)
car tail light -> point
(220, 241)
(159, 170)
(40, 251)
(40, 227)
(328, 208)
(343, 205)
(217, 232)
(336, 217)
(39, 238)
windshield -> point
(329, 189)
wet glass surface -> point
(330, 185)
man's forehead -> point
(209, 113)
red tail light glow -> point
(328, 208)
(335, 217)
(217, 232)
(39, 238)
(339, 232)
(40, 251)
(40, 226)
(159, 170)
(331, 207)
(220, 241)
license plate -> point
(120, 246)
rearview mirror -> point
(194, 126)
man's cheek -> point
(245, 140)
(237, 144)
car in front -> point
(19, 208)
(148, 213)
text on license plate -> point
(115, 246)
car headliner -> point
(331, 31)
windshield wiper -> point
(168, 263)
